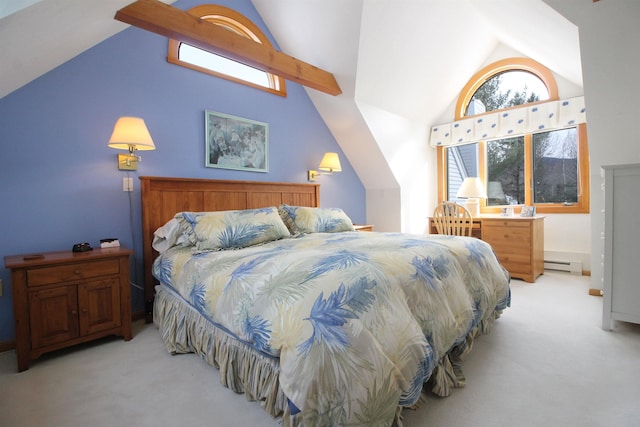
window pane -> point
(555, 167)
(505, 90)
(505, 171)
(462, 161)
(204, 59)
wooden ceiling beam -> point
(166, 20)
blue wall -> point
(60, 182)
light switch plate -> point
(127, 184)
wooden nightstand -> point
(363, 227)
(66, 298)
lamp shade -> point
(131, 132)
(330, 162)
(495, 191)
(472, 188)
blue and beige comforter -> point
(357, 321)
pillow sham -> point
(232, 229)
(169, 235)
(302, 219)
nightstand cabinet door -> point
(99, 306)
(53, 315)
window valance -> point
(515, 121)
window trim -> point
(240, 24)
(509, 64)
(478, 79)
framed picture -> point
(236, 143)
(528, 211)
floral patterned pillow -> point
(302, 219)
(232, 229)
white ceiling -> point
(7, 7)
(405, 60)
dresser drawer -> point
(510, 236)
(504, 223)
(69, 272)
(516, 264)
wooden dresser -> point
(517, 241)
(65, 298)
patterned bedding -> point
(357, 322)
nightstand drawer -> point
(68, 272)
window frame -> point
(240, 24)
(529, 65)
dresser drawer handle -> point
(77, 271)
(74, 312)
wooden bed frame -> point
(163, 197)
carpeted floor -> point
(547, 362)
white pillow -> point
(169, 235)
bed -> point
(322, 324)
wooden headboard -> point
(162, 198)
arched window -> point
(545, 168)
(188, 56)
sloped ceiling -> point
(402, 61)
(38, 35)
(407, 60)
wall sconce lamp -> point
(472, 190)
(130, 133)
(330, 162)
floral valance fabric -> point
(543, 117)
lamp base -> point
(473, 206)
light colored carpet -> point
(546, 363)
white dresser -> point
(621, 244)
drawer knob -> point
(84, 310)
(77, 271)
(74, 312)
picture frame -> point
(528, 211)
(236, 143)
(506, 212)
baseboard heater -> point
(573, 267)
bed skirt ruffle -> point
(244, 370)
(448, 374)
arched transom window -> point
(183, 54)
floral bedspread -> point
(358, 321)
